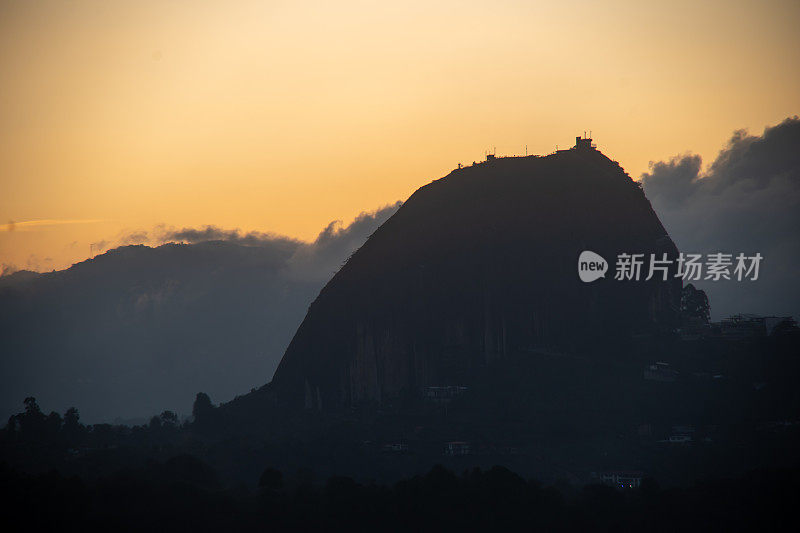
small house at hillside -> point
(660, 371)
(680, 435)
(581, 144)
(680, 439)
(744, 326)
(443, 394)
(584, 143)
(622, 479)
(457, 448)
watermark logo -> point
(689, 267)
(591, 266)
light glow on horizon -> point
(282, 116)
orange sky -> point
(282, 116)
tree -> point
(694, 306)
(72, 427)
(72, 418)
(32, 421)
(53, 424)
(169, 419)
(202, 409)
(271, 479)
(32, 407)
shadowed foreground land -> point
(184, 494)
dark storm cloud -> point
(673, 181)
(748, 200)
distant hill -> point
(474, 267)
(138, 330)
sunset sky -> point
(283, 116)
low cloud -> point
(319, 260)
(34, 225)
(302, 261)
(37, 264)
(99, 246)
(136, 237)
(747, 200)
(7, 269)
(214, 233)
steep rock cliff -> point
(474, 266)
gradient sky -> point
(282, 116)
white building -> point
(457, 448)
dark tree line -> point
(174, 490)
(183, 494)
(32, 429)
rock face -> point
(475, 266)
